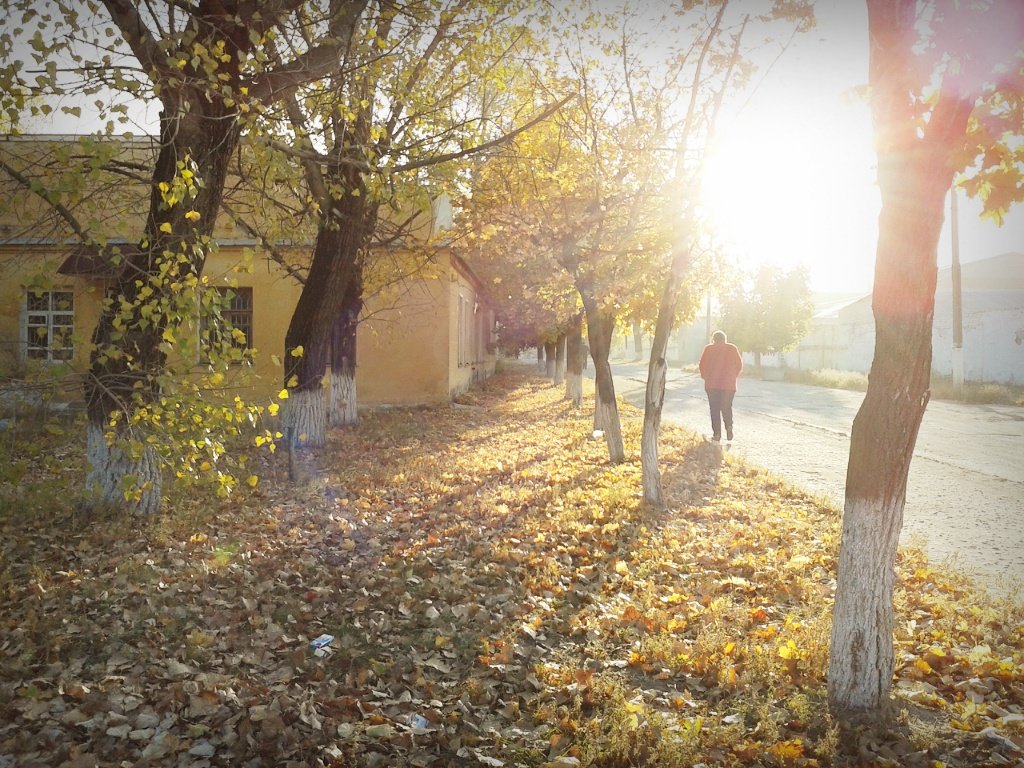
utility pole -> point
(958, 315)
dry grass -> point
(941, 386)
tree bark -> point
(549, 357)
(541, 366)
(638, 341)
(882, 439)
(657, 368)
(600, 326)
(560, 360)
(341, 237)
(574, 353)
(914, 173)
(342, 406)
(110, 465)
(131, 325)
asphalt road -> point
(965, 495)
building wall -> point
(407, 352)
(471, 323)
(274, 296)
(993, 337)
(402, 348)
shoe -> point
(716, 438)
(728, 435)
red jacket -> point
(720, 365)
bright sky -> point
(793, 180)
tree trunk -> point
(638, 341)
(341, 237)
(606, 412)
(549, 356)
(342, 408)
(540, 359)
(881, 445)
(560, 361)
(914, 174)
(110, 466)
(131, 325)
(574, 353)
(654, 399)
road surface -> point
(965, 495)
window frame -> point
(50, 313)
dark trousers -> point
(720, 401)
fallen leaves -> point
(496, 596)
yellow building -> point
(424, 343)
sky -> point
(793, 180)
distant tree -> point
(586, 197)
(770, 315)
(947, 95)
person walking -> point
(720, 365)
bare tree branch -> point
(59, 208)
(436, 160)
(125, 16)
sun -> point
(796, 187)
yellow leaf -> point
(192, 215)
(166, 227)
(253, 481)
(621, 567)
(297, 352)
(282, 395)
(787, 750)
(789, 650)
(273, 408)
(923, 666)
(217, 379)
(729, 648)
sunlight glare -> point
(797, 186)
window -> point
(235, 314)
(49, 325)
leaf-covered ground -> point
(498, 596)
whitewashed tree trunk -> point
(549, 356)
(861, 661)
(657, 371)
(915, 168)
(574, 389)
(609, 418)
(343, 409)
(109, 467)
(560, 361)
(606, 412)
(304, 415)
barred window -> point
(235, 315)
(49, 325)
